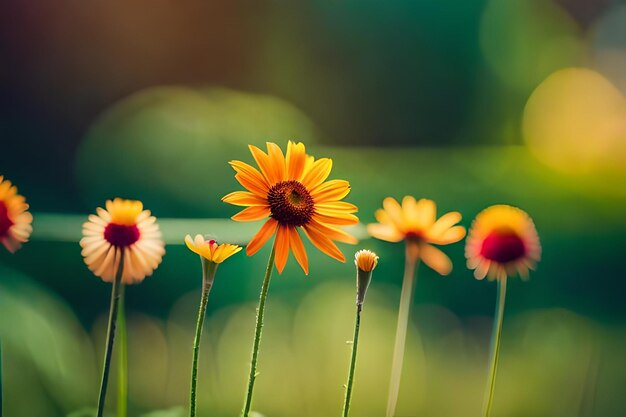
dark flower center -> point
(5, 222)
(290, 203)
(503, 246)
(121, 235)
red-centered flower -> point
(123, 226)
(502, 242)
(15, 220)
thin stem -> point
(208, 274)
(406, 295)
(115, 298)
(495, 346)
(355, 344)
(122, 359)
(260, 312)
(1, 377)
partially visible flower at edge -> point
(123, 226)
(15, 220)
(210, 250)
(416, 223)
(293, 192)
(502, 241)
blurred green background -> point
(469, 103)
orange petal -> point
(385, 232)
(318, 173)
(435, 259)
(262, 236)
(336, 218)
(332, 190)
(251, 214)
(244, 198)
(337, 206)
(277, 160)
(256, 187)
(265, 164)
(249, 171)
(295, 160)
(323, 243)
(281, 245)
(334, 233)
(298, 249)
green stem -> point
(208, 275)
(355, 344)
(257, 333)
(1, 377)
(115, 298)
(122, 361)
(406, 295)
(495, 346)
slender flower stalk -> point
(122, 358)
(415, 223)
(502, 242)
(211, 255)
(208, 275)
(495, 347)
(257, 332)
(115, 298)
(406, 295)
(365, 262)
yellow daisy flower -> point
(502, 241)
(210, 250)
(123, 226)
(291, 190)
(15, 220)
(416, 223)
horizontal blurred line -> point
(68, 228)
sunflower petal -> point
(318, 173)
(251, 214)
(298, 249)
(295, 160)
(384, 232)
(244, 198)
(262, 236)
(332, 190)
(323, 243)
(264, 162)
(282, 248)
(277, 160)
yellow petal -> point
(262, 236)
(318, 173)
(244, 198)
(384, 232)
(295, 160)
(435, 259)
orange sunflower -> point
(292, 192)
(123, 226)
(416, 223)
(15, 220)
(502, 241)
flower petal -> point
(435, 259)
(318, 173)
(277, 160)
(323, 243)
(265, 164)
(244, 198)
(251, 214)
(298, 249)
(332, 190)
(385, 232)
(295, 160)
(262, 236)
(282, 248)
